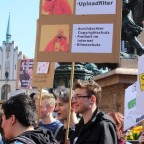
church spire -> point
(8, 35)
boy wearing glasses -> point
(95, 127)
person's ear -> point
(93, 99)
(51, 108)
(13, 119)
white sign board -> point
(140, 86)
(92, 38)
(42, 67)
(131, 117)
(95, 7)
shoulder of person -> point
(16, 142)
(58, 129)
(22, 140)
(104, 116)
(40, 135)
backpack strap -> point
(24, 140)
(57, 130)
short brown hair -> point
(63, 94)
(91, 87)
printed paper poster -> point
(25, 75)
(84, 7)
(57, 7)
(92, 38)
(42, 67)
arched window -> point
(4, 91)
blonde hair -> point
(49, 97)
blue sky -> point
(23, 14)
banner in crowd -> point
(43, 74)
(140, 86)
(79, 31)
(131, 117)
(25, 70)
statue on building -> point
(94, 68)
(132, 26)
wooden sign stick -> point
(38, 117)
(70, 96)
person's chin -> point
(61, 119)
(59, 116)
(77, 110)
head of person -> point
(32, 96)
(118, 120)
(87, 94)
(18, 112)
(60, 34)
(1, 130)
(62, 95)
(47, 104)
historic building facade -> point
(8, 65)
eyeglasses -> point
(79, 97)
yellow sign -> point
(141, 80)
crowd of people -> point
(88, 125)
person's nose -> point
(73, 100)
(56, 108)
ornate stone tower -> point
(8, 65)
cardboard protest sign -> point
(44, 77)
(85, 31)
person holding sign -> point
(62, 106)
(56, 7)
(95, 127)
(58, 43)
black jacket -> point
(99, 130)
(60, 137)
(39, 136)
